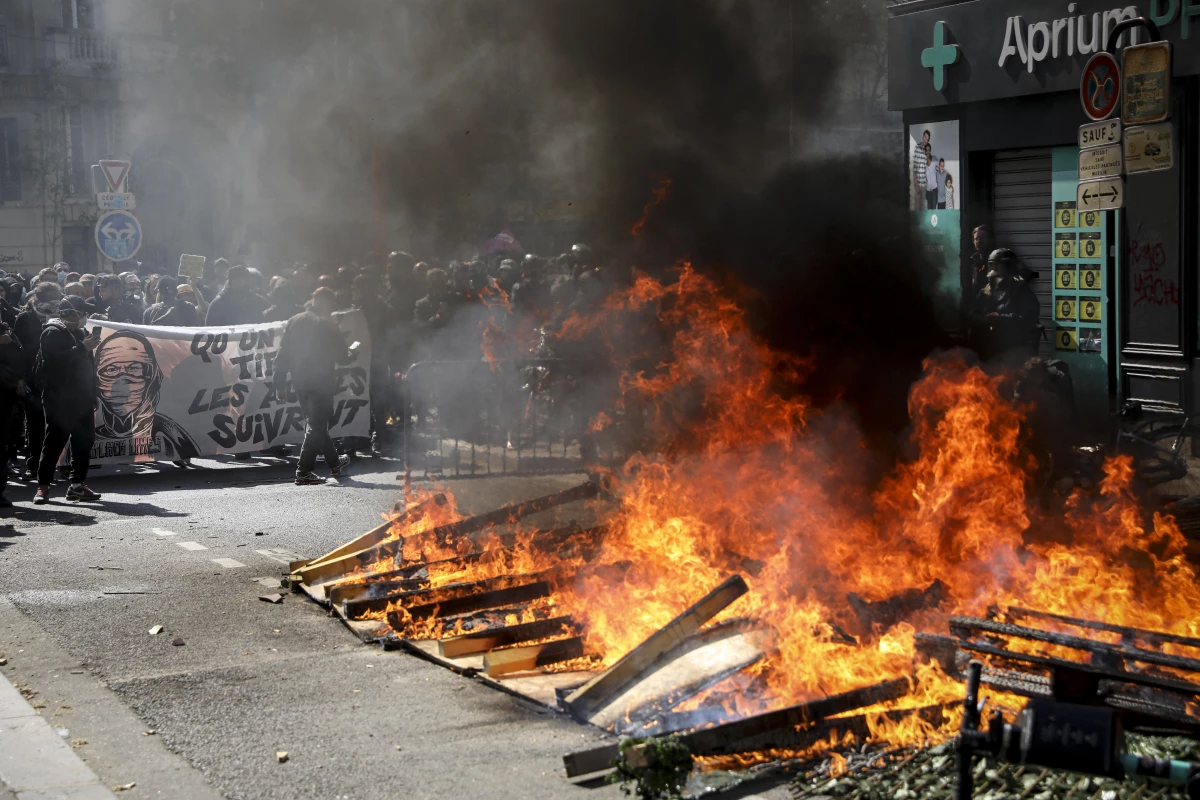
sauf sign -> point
(977, 50)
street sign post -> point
(1104, 132)
(116, 173)
(1150, 148)
(1101, 162)
(111, 201)
(118, 235)
(1100, 86)
(1105, 194)
(1147, 83)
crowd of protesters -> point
(414, 310)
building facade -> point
(77, 85)
(996, 86)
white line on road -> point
(282, 556)
(162, 532)
(228, 563)
(191, 545)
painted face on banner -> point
(126, 369)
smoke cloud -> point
(348, 127)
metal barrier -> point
(474, 418)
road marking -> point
(228, 563)
(282, 556)
(162, 532)
(191, 545)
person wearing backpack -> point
(66, 372)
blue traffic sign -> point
(119, 235)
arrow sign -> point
(1102, 195)
(115, 172)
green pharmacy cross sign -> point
(940, 56)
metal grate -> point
(1023, 219)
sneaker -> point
(241, 456)
(308, 479)
(343, 462)
(42, 496)
(81, 493)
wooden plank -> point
(602, 689)
(372, 537)
(475, 643)
(531, 656)
(730, 738)
(931, 642)
(966, 627)
(512, 596)
(344, 565)
(421, 597)
(1156, 637)
(343, 593)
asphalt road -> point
(192, 550)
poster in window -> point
(10, 161)
(935, 177)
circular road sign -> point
(1100, 87)
(118, 235)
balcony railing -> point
(92, 47)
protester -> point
(311, 348)
(107, 292)
(1007, 311)
(187, 293)
(75, 289)
(89, 284)
(129, 308)
(13, 389)
(380, 318)
(66, 373)
(170, 311)
(237, 304)
(283, 303)
(41, 303)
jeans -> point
(81, 433)
(931, 199)
(317, 406)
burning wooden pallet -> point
(1035, 653)
(396, 585)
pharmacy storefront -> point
(995, 96)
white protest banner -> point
(173, 393)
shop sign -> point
(1064, 278)
(1146, 70)
(1089, 279)
(1101, 162)
(1090, 309)
(1102, 195)
(1149, 148)
(1095, 134)
(1065, 339)
(1064, 309)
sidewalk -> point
(35, 762)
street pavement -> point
(200, 710)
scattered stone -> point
(156, 630)
(63, 732)
(271, 598)
(149, 732)
(3, 661)
(259, 533)
(125, 787)
(177, 641)
(281, 756)
(78, 742)
(399, 748)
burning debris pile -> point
(750, 586)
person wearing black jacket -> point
(130, 307)
(381, 318)
(170, 311)
(66, 372)
(309, 352)
(40, 305)
(283, 298)
(237, 304)
(107, 293)
(13, 389)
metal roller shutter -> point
(1023, 219)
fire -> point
(748, 478)
(660, 194)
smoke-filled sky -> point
(411, 124)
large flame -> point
(746, 477)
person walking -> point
(170, 311)
(66, 373)
(311, 348)
(40, 305)
(237, 304)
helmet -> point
(1003, 259)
